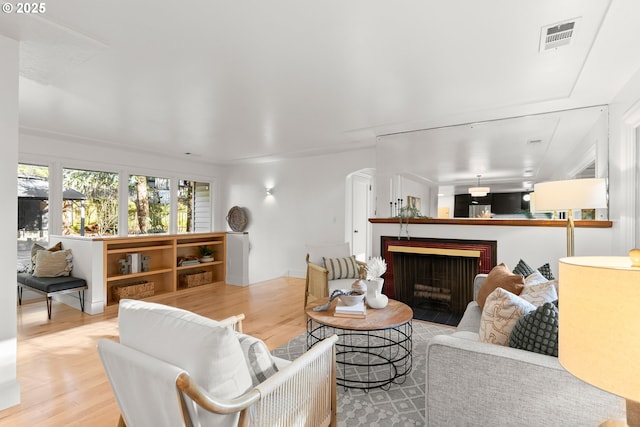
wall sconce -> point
(269, 191)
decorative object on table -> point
(144, 264)
(598, 315)
(335, 294)
(376, 267)
(352, 298)
(360, 286)
(347, 307)
(237, 218)
(206, 253)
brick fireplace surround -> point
(480, 254)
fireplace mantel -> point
(494, 222)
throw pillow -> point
(207, 349)
(499, 277)
(341, 268)
(534, 278)
(53, 264)
(545, 270)
(258, 358)
(37, 247)
(537, 331)
(500, 314)
(539, 293)
(523, 269)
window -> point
(149, 204)
(194, 207)
(33, 209)
(90, 202)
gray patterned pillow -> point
(545, 270)
(537, 331)
(523, 269)
(261, 364)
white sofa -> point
(471, 383)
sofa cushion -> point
(540, 292)
(545, 270)
(537, 331)
(37, 247)
(500, 277)
(53, 264)
(523, 269)
(208, 350)
(341, 268)
(500, 314)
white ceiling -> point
(255, 80)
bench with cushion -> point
(50, 286)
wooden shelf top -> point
(494, 222)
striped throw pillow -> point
(341, 268)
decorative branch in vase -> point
(376, 267)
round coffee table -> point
(372, 352)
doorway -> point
(359, 208)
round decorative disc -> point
(237, 218)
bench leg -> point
(81, 297)
(49, 303)
(19, 295)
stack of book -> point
(358, 311)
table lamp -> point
(599, 324)
(588, 193)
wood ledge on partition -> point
(495, 222)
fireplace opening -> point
(435, 276)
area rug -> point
(401, 405)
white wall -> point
(307, 207)
(9, 387)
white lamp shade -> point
(599, 324)
(589, 193)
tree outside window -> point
(90, 202)
(149, 204)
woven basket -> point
(196, 279)
(133, 290)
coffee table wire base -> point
(368, 359)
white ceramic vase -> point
(375, 298)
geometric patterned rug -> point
(401, 405)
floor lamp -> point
(589, 193)
(599, 323)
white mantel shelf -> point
(495, 222)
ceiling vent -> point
(557, 35)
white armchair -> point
(320, 280)
(176, 368)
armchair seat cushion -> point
(340, 284)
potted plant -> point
(206, 253)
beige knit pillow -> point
(53, 264)
(500, 314)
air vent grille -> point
(557, 35)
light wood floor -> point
(61, 378)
